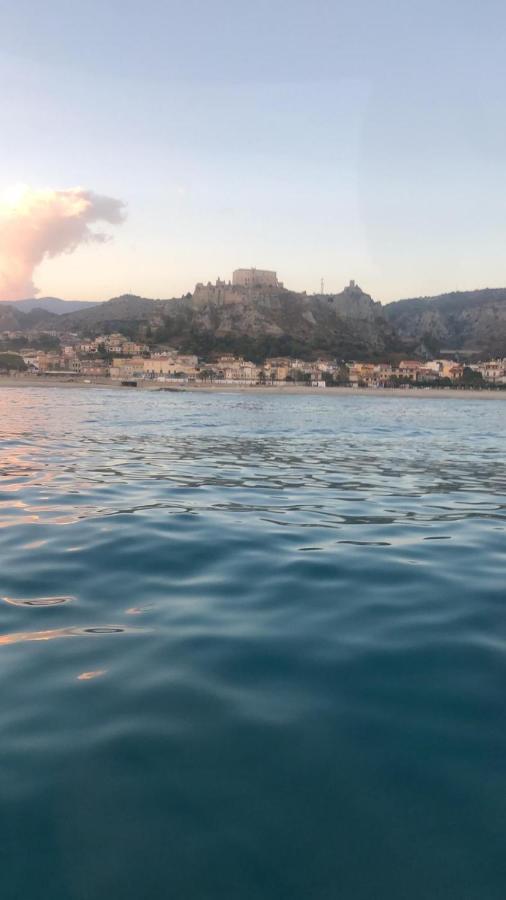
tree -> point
(12, 362)
(299, 377)
(342, 376)
(207, 374)
(471, 378)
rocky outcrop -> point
(348, 323)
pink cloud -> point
(39, 224)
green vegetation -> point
(471, 378)
(103, 353)
(42, 342)
(299, 377)
(177, 330)
(341, 377)
(11, 362)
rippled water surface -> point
(251, 647)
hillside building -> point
(255, 278)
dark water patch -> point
(367, 543)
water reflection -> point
(57, 633)
(89, 676)
(38, 601)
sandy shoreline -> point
(7, 381)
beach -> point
(38, 381)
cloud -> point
(39, 224)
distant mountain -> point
(51, 304)
(10, 318)
(21, 316)
(127, 308)
(463, 320)
(13, 319)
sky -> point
(322, 139)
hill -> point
(463, 320)
(13, 319)
(127, 308)
(250, 320)
(348, 324)
(51, 304)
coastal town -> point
(252, 331)
(116, 358)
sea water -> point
(252, 646)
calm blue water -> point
(251, 647)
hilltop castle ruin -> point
(243, 282)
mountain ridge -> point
(52, 304)
(460, 320)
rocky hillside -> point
(464, 320)
(346, 324)
(253, 320)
